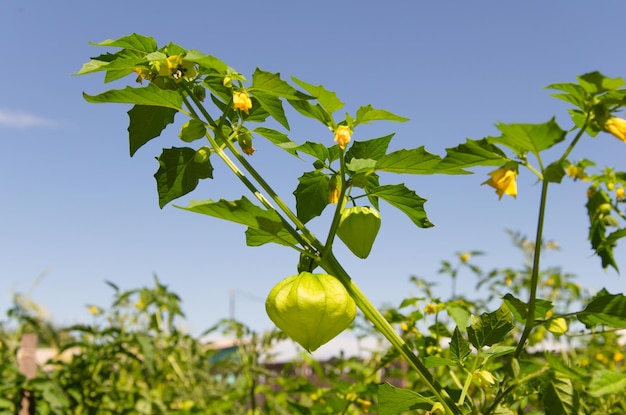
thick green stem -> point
(330, 264)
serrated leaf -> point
(206, 61)
(459, 347)
(560, 397)
(148, 95)
(372, 149)
(496, 351)
(413, 161)
(317, 150)
(597, 230)
(134, 42)
(406, 200)
(520, 309)
(259, 221)
(392, 400)
(316, 111)
(554, 172)
(367, 113)
(179, 173)
(596, 83)
(606, 309)
(311, 195)
(268, 83)
(533, 138)
(192, 130)
(605, 382)
(327, 99)
(277, 138)
(274, 107)
(472, 153)
(489, 328)
(147, 122)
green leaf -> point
(277, 138)
(606, 309)
(147, 349)
(327, 99)
(311, 195)
(435, 361)
(367, 113)
(365, 166)
(534, 138)
(459, 314)
(316, 111)
(556, 363)
(207, 61)
(260, 222)
(472, 153)
(605, 382)
(274, 107)
(554, 172)
(134, 42)
(317, 150)
(257, 237)
(596, 83)
(149, 95)
(414, 161)
(574, 94)
(560, 397)
(600, 242)
(489, 328)
(392, 400)
(520, 310)
(372, 149)
(496, 351)
(179, 173)
(192, 130)
(267, 83)
(405, 199)
(459, 347)
(147, 122)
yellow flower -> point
(617, 127)
(343, 133)
(404, 327)
(484, 377)
(619, 193)
(143, 73)
(430, 308)
(178, 68)
(465, 257)
(601, 358)
(504, 181)
(94, 310)
(618, 356)
(241, 101)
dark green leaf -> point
(274, 107)
(192, 130)
(149, 95)
(560, 397)
(134, 42)
(606, 309)
(367, 113)
(147, 122)
(472, 153)
(533, 138)
(596, 83)
(317, 150)
(392, 400)
(316, 111)
(405, 199)
(554, 172)
(414, 161)
(459, 347)
(311, 195)
(600, 243)
(371, 149)
(520, 309)
(258, 237)
(556, 363)
(490, 328)
(179, 173)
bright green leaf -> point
(316, 111)
(605, 382)
(361, 165)
(278, 139)
(317, 150)
(327, 99)
(367, 113)
(560, 397)
(207, 61)
(490, 328)
(435, 361)
(459, 314)
(134, 42)
(405, 199)
(533, 138)
(258, 237)
(459, 347)
(392, 400)
(273, 106)
(179, 173)
(149, 95)
(414, 161)
(471, 153)
(371, 149)
(596, 83)
(267, 83)
(147, 122)
(311, 195)
(520, 310)
(192, 130)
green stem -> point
(330, 264)
(334, 225)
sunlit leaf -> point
(533, 138)
(392, 400)
(258, 237)
(179, 173)
(206, 61)
(605, 382)
(192, 130)
(134, 42)
(406, 200)
(267, 83)
(147, 122)
(472, 153)
(311, 195)
(607, 309)
(519, 308)
(327, 99)
(149, 95)
(436, 361)
(367, 113)
(274, 107)
(370, 149)
(459, 347)
(596, 83)
(414, 161)
(278, 139)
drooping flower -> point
(617, 127)
(343, 133)
(242, 101)
(143, 73)
(178, 68)
(504, 181)
(245, 142)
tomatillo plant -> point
(313, 308)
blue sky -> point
(77, 209)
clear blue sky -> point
(76, 207)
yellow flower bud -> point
(504, 181)
(618, 356)
(617, 127)
(430, 308)
(343, 134)
(484, 377)
(465, 257)
(619, 193)
(241, 101)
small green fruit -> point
(358, 228)
(310, 308)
